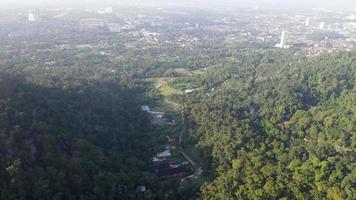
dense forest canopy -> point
(267, 125)
(87, 141)
(153, 103)
(277, 128)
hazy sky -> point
(299, 3)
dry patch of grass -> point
(162, 84)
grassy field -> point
(162, 84)
(166, 106)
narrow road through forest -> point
(197, 169)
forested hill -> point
(88, 140)
(276, 126)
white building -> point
(145, 108)
(283, 43)
(34, 15)
(307, 21)
(351, 17)
(155, 159)
(107, 10)
(322, 25)
(188, 91)
(114, 27)
(141, 188)
(163, 154)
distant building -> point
(114, 27)
(283, 39)
(307, 22)
(107, 10)
(34, 15)
(150, 37)
(322, 25)
(351, 17)
(283, 43)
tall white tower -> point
(307, 21)
(322, 25)
(31, 17)
(108, 10)
(283, 43)
(34, 15)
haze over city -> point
(203, 3)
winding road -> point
(197, 169)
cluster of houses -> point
(162, 166)
(157, 117)
(165, 169)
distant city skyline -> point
(270, 3)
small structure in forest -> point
(188, 91)
(155, 159)
(141, 188)
(164, 170)
(145, 108)
(164, 154)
